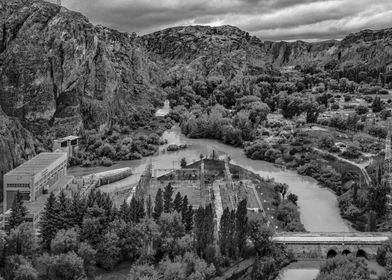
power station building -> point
(35, 179)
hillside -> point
(60, 74)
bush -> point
(106, 161)
(361, 110)
(327, 142)
(385, 114)
(106, 150)
(335, 106)
(352, 152)
(378, 131)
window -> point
(18, 185)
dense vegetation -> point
(344, 267)
(271, 116)
(167, 240)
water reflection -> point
(303, 270)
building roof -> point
(36, 164)
(68, 138)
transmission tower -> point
(388, 164)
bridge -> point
(328, 244)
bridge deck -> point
(346, 237)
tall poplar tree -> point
(189, 219)
(168, 199)
(177, 204)
(149, 207)
(158, 207)
(241, 226)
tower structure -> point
(388, 157)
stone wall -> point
(316, 251)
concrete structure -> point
(69, 145)
(325, 245)
(35, 179)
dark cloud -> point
(268, 19)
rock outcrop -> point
(60, 73)
(16, 144)
(206, 48)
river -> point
(318, 206)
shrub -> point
(335, 106)
(385, 114)
(378, 131)
(106, 161)
(362, 110)
(106, 150)
(352, 152)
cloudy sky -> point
(308, 20)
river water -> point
(318, 206)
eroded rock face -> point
(206, 48)
(59, 72)
(16, 145)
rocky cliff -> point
(59, 74)
(208, 48)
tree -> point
(64, 217)
(377, 105)
(361, 110)
(26, 272)
(292, 198)
(136, 210)
(149, 207)
(91, 231)
(18, 211)
(12, 263)
(67, 266)
(49, 220)
(388, 266)
(177, 204)
(377, 200)
(158, 208)
(22, 241)
(65, 241)
(188, 221)
(224, 232)
(168, 198)
(183, 163)
(88, 254)
(242, 226)
(382, 252)
(124, 211)
(184, 208)
(108, 252)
